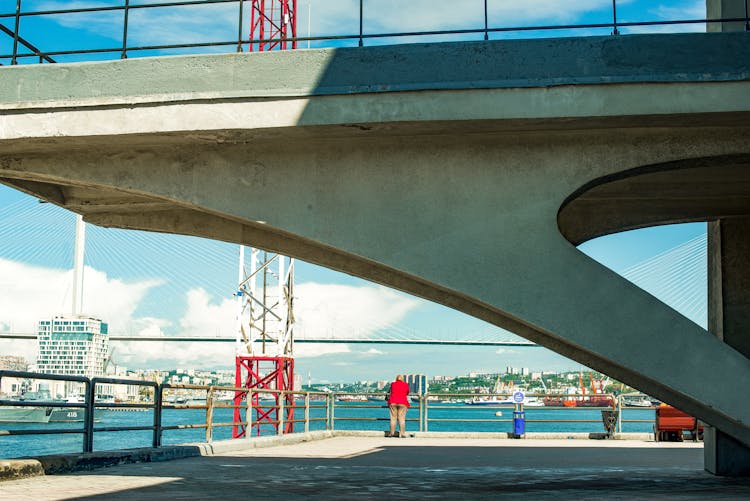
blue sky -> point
(164, 285)
(219, 22)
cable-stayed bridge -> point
(318, 340)
(42, 235)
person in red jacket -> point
(398, 403)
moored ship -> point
(17, 414)
(40, 413)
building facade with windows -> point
(417, 383)
(72, 345)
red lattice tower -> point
(265, 373)
(272, 23)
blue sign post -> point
(519, 417)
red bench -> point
(671, 424)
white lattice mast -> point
(265, 339)
(265, 315)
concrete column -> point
(722, 9)
(729, 320)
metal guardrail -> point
(314, 406)
(22, 48)
(88, 405)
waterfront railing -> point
(265, 412)
(88, 406)
(227, 24)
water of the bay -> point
(348, 416)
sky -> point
(161, 285)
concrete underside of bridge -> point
(403, 164)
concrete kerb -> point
(20, 468)
(14, 469)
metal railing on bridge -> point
(183, 411)
(128, 19)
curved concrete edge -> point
(14, 469)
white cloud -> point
(28, 293)
(153, 26)
(321, 311)
(692, 10)
(389, 16)
(345, 311)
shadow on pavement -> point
(439, 473)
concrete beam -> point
(727, 9)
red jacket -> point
(399, 393)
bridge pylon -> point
(264, 346)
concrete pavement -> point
(357, 467)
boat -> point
(635, 401)
(560, 401)
(66, 415)
(533, 402)
(351, 398)
(19, 414)
(580, 398)
(41, 413)
(492, 401)
(505, 402)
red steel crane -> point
(272, 23)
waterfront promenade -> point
(366, 466)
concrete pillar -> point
(729, 320)
(723, 9)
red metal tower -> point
(272, 22)
(266, 373)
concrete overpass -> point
(399, 164)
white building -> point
(72, 346)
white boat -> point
(505, 402)
(533, 402)
(351, 398)
(636, 402)
(491, 401)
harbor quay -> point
(365, 465)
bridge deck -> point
(362, 467)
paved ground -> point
(392, 468)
